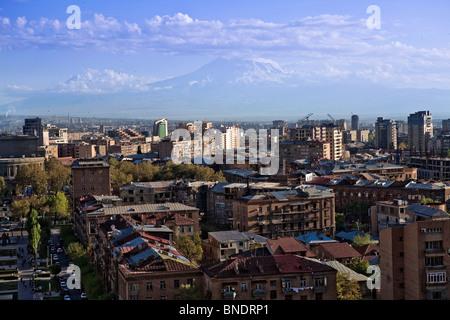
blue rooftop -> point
(314, 237)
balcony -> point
(434, 252)
(259, 293)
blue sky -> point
(128, 44)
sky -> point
(124, 45)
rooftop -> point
(144, 208)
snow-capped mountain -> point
(221, 89)
(234, 71)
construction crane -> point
(332, 119)
(305, 117)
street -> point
(63, 261)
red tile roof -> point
(287, 245)
(339, 249)
(263, 265)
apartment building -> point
(311, 150)
(420, 130)
(415, 260)
(330, 133)
(286, 213)
(274, 277)
(221, 245)
(431, 168)
(139, 266)
(385, 134)
(90, 177)
(181, 219)
(370, 191)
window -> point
(83, 188)
(244, 286)
(149, 286)
(83, 180)
(91, 180)
(320, 282)
(429, 245)
(163, 298)
(92, 188)
(273, 294)
(303, 282)
(176, 284)
(273, 283)
(92, 172)
(438, 277)
(162, 285)
(434, 261)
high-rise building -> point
(355, 122)
(414, 258)
(420, 130)
(33, 127)
(327, 133)
(385, 133)
(446, 126)
(160, 128)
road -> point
(74, 294)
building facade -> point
(415, 260)
(286, 213)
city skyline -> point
(291, 59)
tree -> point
(190, 249)
(3, 186)
(58, 175)
(34, 235)
(347, 289)
(359, 266)
(339, 218)
(362, 239)
(59, 205)
(75, 250)
(32, 175)
(55, 269)
(190, 292)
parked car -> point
(83, 295)
(66, 297)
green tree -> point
(32, 175)
(190, 292)
(34, 235)
(190, 249)
(359, 266)
(59, 206)
(362, 239)
(339, 218)
(347, 289)
(75, 251)
(55, 269)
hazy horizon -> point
(290, 58)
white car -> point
(55, 257)
(83, 295)
(66, 297)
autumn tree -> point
(347, 289)
(58, 175)
(32, 175)
(3, 186)
(192, 250)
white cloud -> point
(332, 45)
(104, 81)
